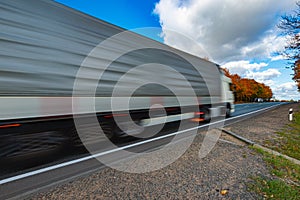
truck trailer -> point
(56, 63)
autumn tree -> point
(290, 26)
(247, 90)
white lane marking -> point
(39, 171)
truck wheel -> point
(228, 110)
(207, 117)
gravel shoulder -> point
(226, 167)
(229, 166)
(264, 127)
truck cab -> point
(227, 94)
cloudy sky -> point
(239, 35)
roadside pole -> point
(291, 114)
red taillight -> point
(197, 120)
(199, 113)
(198, 117)
(171, 109)
(115, 115)
(9, 125)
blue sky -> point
(128, 14)
(239, 36)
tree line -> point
(248, 90)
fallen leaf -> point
(224, 192)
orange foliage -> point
(247, 90)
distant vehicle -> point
(259, 100)
(43, 45)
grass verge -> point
(285, 181)
(288, 140)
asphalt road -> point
(43, 177)
(241, 109)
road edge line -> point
(270, 151)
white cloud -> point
(270, 83)
(243, 67)
(227, 29)
(253, 71)
(265, 48)
(289, 86)
(263, 76)
(286, 91)
(279, 57)
(231, 33)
